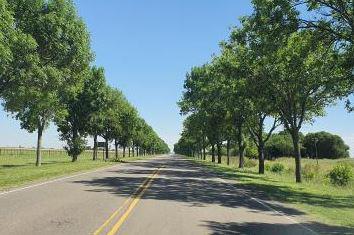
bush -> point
(310, 170)
(267, 167)
(249, 163)
(277, 168)
(251, 151)
(340, 175)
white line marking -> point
(271, 208)
(56, 180)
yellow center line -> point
(135, 201)
(141, 187)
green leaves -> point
(53, 71)
(271, 67)
(45, 76)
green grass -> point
(18, 168)
(316, 197)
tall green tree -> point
(245, 62)
(62, 54)
(73, 127)
(112, 122)
(128, 119)
(17, 51)
(6, 39)
(334, 20)
(233, 72)
(201, 89)
(305, 80)
(94, 100)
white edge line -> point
(271, 208)
(56, 180)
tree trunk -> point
(133, 150)
(213, 153)
(228, 152)
(106, 146)
(116, 148)
(204, 155)
(94, 148)
(75, 137)
(241, 147)
(219, 152)
(129, 151)
(137, 151)
(261, 158)
(242, 160)
(123, 151)
(39, 144)
(74, 158)
(297, 153)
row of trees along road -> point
(46, 76)
(277, 67)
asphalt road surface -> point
(165, 195)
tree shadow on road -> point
(186, 182)
(274, 228)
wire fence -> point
(48, 153)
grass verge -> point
(317, 197)
(20, 170)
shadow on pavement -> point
(273, 229)
(184, 181)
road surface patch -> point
(129, 204)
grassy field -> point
(316, 197)
(17, 168)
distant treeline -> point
(280, 144)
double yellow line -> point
(132, 201)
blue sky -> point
(146, 48)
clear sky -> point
(146, 48)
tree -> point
(334, 21)
(201, 88)
(6, 39)
(233, 73)
(94, 101)
(302, 74)
(17, 52)
(8, 35)
(325, 145)
(244, 61)
(194, 126)
(73, 127)
(62, 53)
(128, 119)
(112, 123)
(305, 80)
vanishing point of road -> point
(163, 195)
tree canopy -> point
(46, 75)
(275, 67)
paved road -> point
(164, 195)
